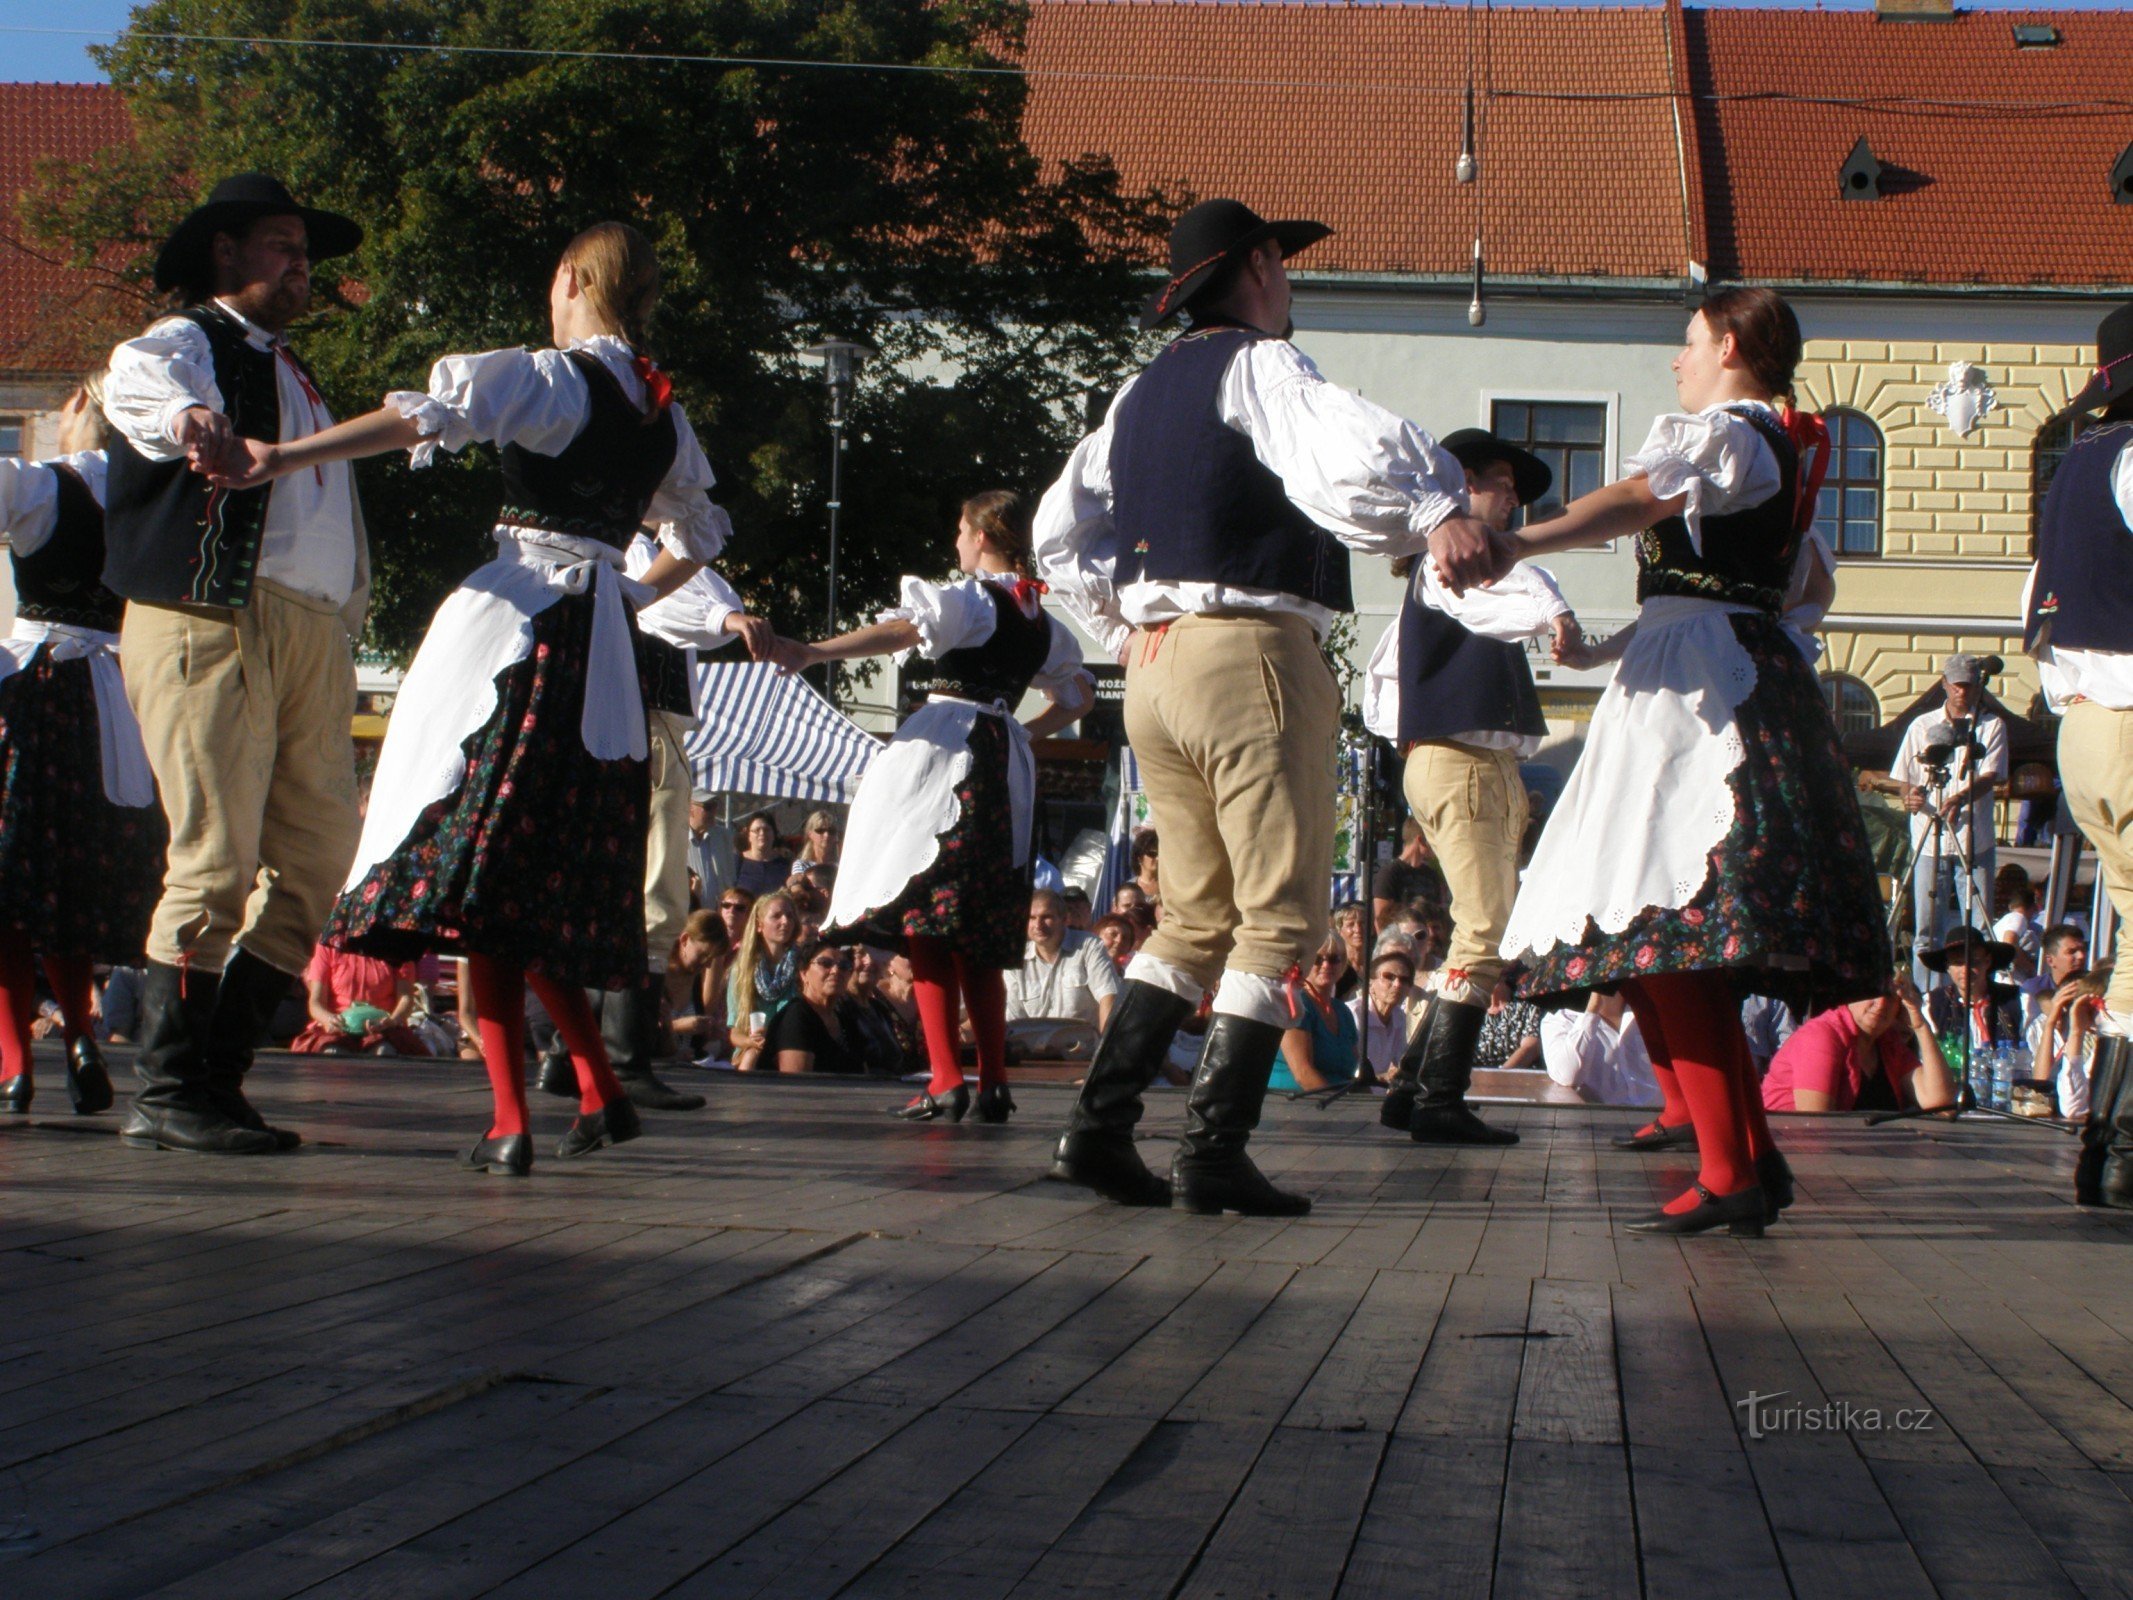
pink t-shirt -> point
(1819, 1056)
(352, 979)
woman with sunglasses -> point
(1320, 1052)
(939, 864)
(819, 843)
(810, 1034)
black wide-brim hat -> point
(234, 205)
(1958, 938)
(2113, 379)
(1211, 233)
(1475, 448)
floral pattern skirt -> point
(1791, 907)
(79, 875)
(973, 895)
(537, 858)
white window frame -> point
(1610, 450)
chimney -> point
(1914, 10)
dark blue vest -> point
(1453, 681)
(1191, 502)
(2084, 586)
(1001, 668)
(63, 580)
(1747, 554)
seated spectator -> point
(1119, 937)
(119, 1006)
(358, 1004)
(1182, 1059)
(1064, 977)
(762, 979)
(2062, 955)
(696, 988)
(887, 1030)
(1145, 858)
(1381, 1010)
(820, 842)
(1320, 1051)
(1128, 898)
(1074, 903)
(759, 866)
(1409, 876)
(2062, 1046)
(1768, 1022)
(811, 1033)
(2018, 925)
(733, 908)
(1599, 1053)
(1510, 1033)
(1350, 923)
(1856, 1057)
(1972, 997)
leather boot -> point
(1210, 1172)
(629, 1027)
(172, 1109)
(1096, 1151)
(1397, 1108)
(252, 990)
(88, 1079)
(2108, 1130)
(1441, 1114)
(556, 1075)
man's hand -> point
(1467, 555)
(1914, 800)
(791, 655)
(755, 634)
(205, 436)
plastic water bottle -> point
(2002, 1059)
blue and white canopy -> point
(759, 733)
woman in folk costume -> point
(81, 835)
(937, 848)
(508, 818)
(1709, 841)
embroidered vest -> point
(1747, 554)
(601, 484)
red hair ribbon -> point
(1026, 591)
(658, 387)
(1811, 439)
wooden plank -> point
(1566, 1510)
(1700, 1525)
(1365, 1378)
(1972, 1541)
(1261, 1375)
(1161, 1366)
(1435, 1509)
(1468, 1385)
(1289, 1530)
(2083, 1518)
(1566, 1387)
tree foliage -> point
(787, 203)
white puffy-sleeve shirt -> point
(1369, 477)
(960, 616)
(1520, 605)
(1716, 459)
(2104, 676)
(29, 496)
(694, 616)
(538, 400)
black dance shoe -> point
(88, 1083)
(15, 1095)
(1657, 1135)
(929, 1107)
(995, 1104)
(556, 1075)
(616, 1122)
(1774, 1172)
(1104, 1159)
(1741, 1214)
(507, 1155)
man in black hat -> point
(2078, 625)
(238, 641)
(1202, 533)
(1449, 685)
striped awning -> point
(759, 733)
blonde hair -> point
(90, 418)
(750, 958)
(618, 275)
(807, 837)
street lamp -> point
(840, 360)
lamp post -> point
(840, 360)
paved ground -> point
(789, 1347)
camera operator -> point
(1949, 764)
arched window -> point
(1848, 510)
(2046, 451)
(1851, 702)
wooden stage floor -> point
(788, 1347)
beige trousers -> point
(1233, 720)
(1471, 805)
(246, 717)
(666, 848)
(2096, 766)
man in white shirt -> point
(1064, 977)
(239, 649)
(1972, 745)
(1202, 535)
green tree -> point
(787, 203)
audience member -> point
(358, 1004)
(1145, 858)
(759, 866)
(1768, 1022)
(696, 988)
(1972, 996)
(763, 977)
(1600, 1053)
(1064, 977)
(1118, 935)
(1409, 876)
(811, 1033)
(1381, 1010)
(2018, 925)
(1856, 1057)
(886, 1029)
(821, 842)
(1510, 1033)
(1129, 898)
(733, 905)
(1074, 900)
(1351, 925)
(2063, 954)
(1320, 1051)
(710, 847)
(2063, 1045)
(119, 1005)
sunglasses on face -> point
(832, 964)
(823, 833)
(1327, 961)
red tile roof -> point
(2000, 172)
(1351, 114)
(40, 122)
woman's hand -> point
(792, 655)
(243, 464)
(1914, 1011)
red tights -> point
(1692, 1031)
(500, 1009)
(938, 972)
(70, 978)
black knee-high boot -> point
(252, 990)
(1399, 1103)
(172, 1109)
(2103, 1173)
(1210, 1172)
(1096, 1151)
(629, 1028)
(1441, 1114)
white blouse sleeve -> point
(1072, 538)
(535, 399)
(1520, 605)
(689, 524)
(1372, 479)
(694, 614)
(1719, 462)
(1381, 685)
(948, 616)
(2122, 482)
(156, 378)
(29, 503)
(1062, 675)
